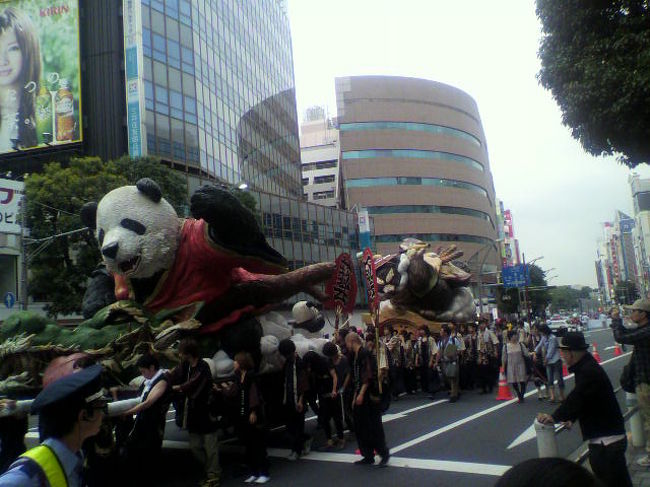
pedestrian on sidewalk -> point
(593, 402)
(640, 360)
(514, 363)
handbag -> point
(627, 378)
(450, 369)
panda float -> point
(219, 259)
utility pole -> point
(526, 286)
(23, 252)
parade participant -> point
(514, 363)
(468, 364)
(143, 444)
(13, 429)
(410, 383)
(296, 383)
(486, 346)
(249, 417)
(320, 377)
(70, 410)
(593, 402)
(640, 360)
(366, 410)
(193, 380)
(448, 354)
(332, 402)
(424, 353)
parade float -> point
(213, 276)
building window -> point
(414, 181)
(323, 195)
(305, 181)
(449, 210)
(412, 153)
(434, 237)
(411, 126)
(324, 179)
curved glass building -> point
(413, 152)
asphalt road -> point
(432, 442)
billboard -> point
(40, 82)
(133, 62)
(10, 197)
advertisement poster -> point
(134, 82)
(10, 196)
(40, 94)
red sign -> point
(370, 277)
(342, 286)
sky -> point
(558, 194)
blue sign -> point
(10, 300)
(515, 276)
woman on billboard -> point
(20, 72)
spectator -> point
(593, 402)
(193, 380)
(249, 414)
(295, 384)
(640, 360)
(552, 361)
(539, 371)
(70, 409)
(367, 415)
(514, 364)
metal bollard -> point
(546, 442)
(636, 421)
(116, 408)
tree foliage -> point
(568, 298)
(59, 272)
(595, 57)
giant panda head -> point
(137, 229)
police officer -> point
(70, 410)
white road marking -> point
(477, 415)
(403, 462)
(403, 414)
(528, 434)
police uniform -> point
(52, 463)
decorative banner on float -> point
(40, 81)
(342, 287)
(370, 277)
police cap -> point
(83, 387)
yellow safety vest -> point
(49, 463)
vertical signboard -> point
(364, 229)
(134, 85)
(10, 196)
(40, 81)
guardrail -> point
(547, 434)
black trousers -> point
(332, 408)
(425, 377)
(254, 440)
(485, 377)
(409, 380)
(369, 430)
(608, 464)
(295, 423)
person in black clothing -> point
(192, 381)
(249, 417)
(366, 409)
(593, 402)
(295, 385)
(332, 400)
(12, 436)
(143, 444)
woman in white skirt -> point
(514, 364)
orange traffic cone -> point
(565, 371)
(595, 353)
(504, 393)
(617, 350)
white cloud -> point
(559, 195)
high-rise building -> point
(319, 153)
(508, 244)
(413, 152)
(641, 234)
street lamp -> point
(526, 281)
